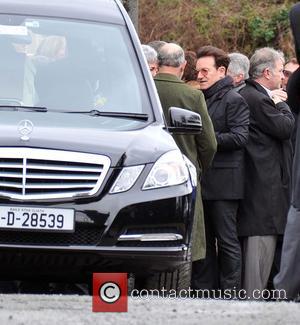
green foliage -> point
(260, 29)
(265, 30)
(242, 25)
(281, 17)
(202, 18)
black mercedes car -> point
(91, 179)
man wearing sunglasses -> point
(222, 184)
(291, 66)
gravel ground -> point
(61, 309)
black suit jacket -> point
(264, 208)
(230, 116)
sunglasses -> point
(287, 73)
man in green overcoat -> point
(200, 148)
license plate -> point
(33, 218)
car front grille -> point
(32, 174)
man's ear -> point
(240, 77)
(267, 73)
(222, 71)
(182, 67)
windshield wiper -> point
(94, 112)
(24, 108)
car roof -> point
(93, 10)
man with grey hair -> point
(199, 148)
(157, 44)
(171, 55)
(262, 215)
(151, 57)
(238, 69)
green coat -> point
(200, 148)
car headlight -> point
(126, 179)
(169, 170)
(192, 170)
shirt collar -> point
(267, 90)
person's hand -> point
(279, 95)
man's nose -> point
(199, 75)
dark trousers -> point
(221, 267)
(288, 278)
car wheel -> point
(176, 280)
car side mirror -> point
(184, 121)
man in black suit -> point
(288, 278)
(262, 214)
(222, 184)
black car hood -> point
(133, 142)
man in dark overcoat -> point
(222, 185)
(199, 148)
(288, 278)
(262, 215)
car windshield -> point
(68, 65)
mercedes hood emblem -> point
(25, 128)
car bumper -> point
(106, 241)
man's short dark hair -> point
(221, 57)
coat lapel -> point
(215, 93)
(257, 86)
(212, 108)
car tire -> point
(176, 280)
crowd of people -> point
(244, 159)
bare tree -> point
(132, 7)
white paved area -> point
(58, 309)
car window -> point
(68, 65)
